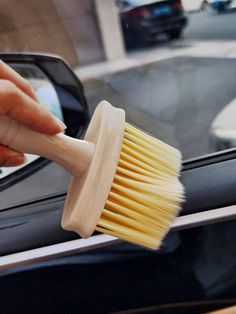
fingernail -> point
(14, 161)
(61, 124)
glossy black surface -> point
(194, 265)
(209, 183)
(194, 271)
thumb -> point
(10, 158)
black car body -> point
(144, 20)
(194, 272)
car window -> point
(170, 64)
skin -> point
(18, 101)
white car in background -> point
(194, 5)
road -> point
(177, 96)
(209, 25)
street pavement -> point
(210, 25)
(174, 90)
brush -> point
(124, 182)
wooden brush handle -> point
(72, 154)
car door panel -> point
(209, 182)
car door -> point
(194, 267)
(181, 92)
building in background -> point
(82, 32)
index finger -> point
(22, 108)
(7, 73)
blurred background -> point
(169, 63)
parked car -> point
(194, 272)
(142, 21)
(194, 5)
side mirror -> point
(57, 88)
(223, 128)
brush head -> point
(131, 189)
(146, 193)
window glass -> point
(170, 64)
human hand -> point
(19, 102)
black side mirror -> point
(59, 89)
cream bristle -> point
(146, 195)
